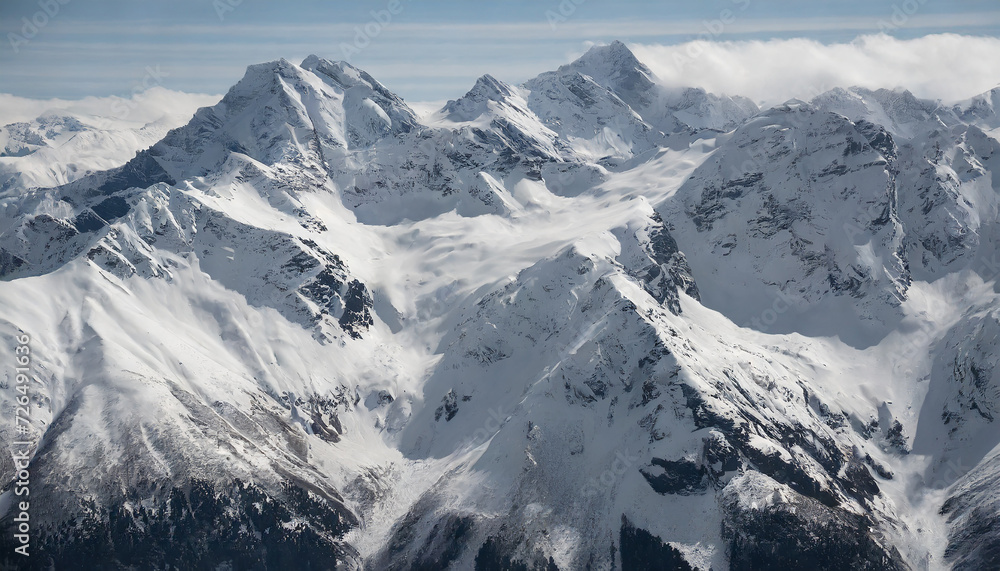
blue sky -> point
(427, 50)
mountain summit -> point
(616, 67)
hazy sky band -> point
(423, 50)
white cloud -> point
(151, 105)
(950, 67)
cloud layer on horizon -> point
(145, 107)
(949, 67)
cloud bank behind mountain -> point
(950, 67)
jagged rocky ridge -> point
(585, 322)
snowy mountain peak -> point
(489, 86)
(281, 112)
(341, 73)
(897, 109)
(657, 108)
(983, 109)
(616, 67)
(345, 76)
(477, 100)
(261, 78)
(611, 62)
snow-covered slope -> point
(796, 208)
(607, 104)
(942, 161)
(586, 322)
(57, 149)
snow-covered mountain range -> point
(585, 322)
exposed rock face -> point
(806, 207)
(769, 526)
